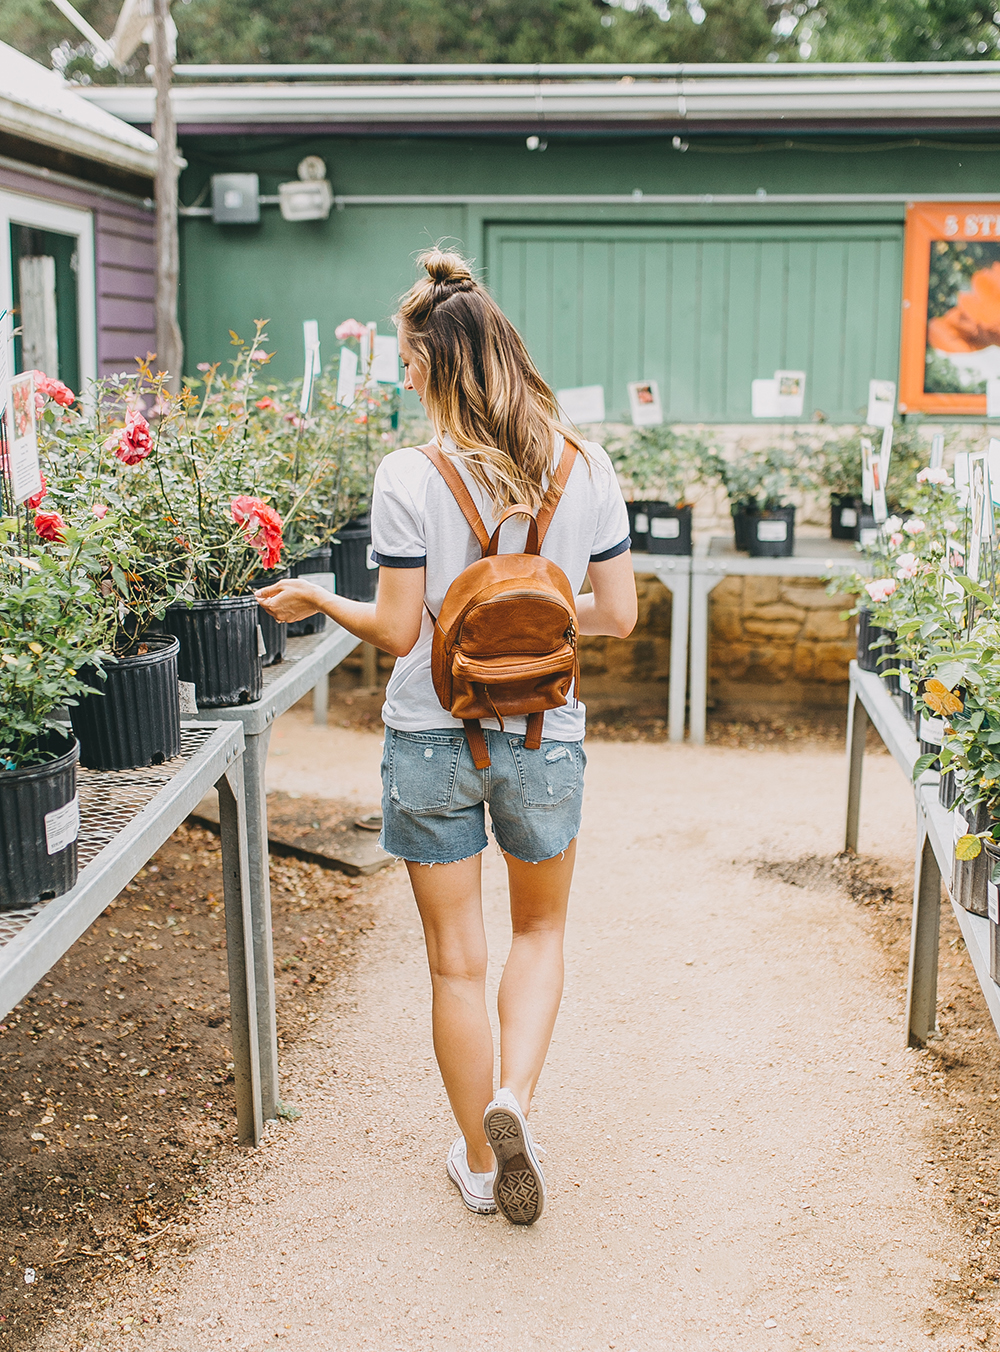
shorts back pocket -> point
(423, 768)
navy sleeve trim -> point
(613, 552)
(397, 561)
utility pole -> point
(169, 345)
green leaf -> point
(923, 763)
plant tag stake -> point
(866, 471)
(22, 451)
(937, 450)
(980, 510)
(62, 826)
(881, 403)
(880, 473)
(310, 336)
(347, 377)
(993, 903)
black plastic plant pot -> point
(273, 634)
(772, 533)
(638, 527)
(907, 680)
(868, 633)
(316, 562)
(39, 824)
(669, 528)
(888, 660)
(947, 789)
(352, 560)
(136, 719)
(845, 513)
(219, 649)
(970, 876)
(741, 524)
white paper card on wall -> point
(644, 402)
(385, 362)
(881, 402)
(347, 377)
(772, 532)
(992, 397)
(582, 404)
(867, 483)
(62, 826)
(22, 450)
(764, 398)
(664, 528)
(791, 393)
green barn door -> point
(704, 310)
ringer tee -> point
(416, 523)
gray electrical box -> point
(235, 199)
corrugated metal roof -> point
(37, 105)
(961, 93)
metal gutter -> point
(670, 103)
(633, 199)
(209, 74)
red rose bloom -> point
(55, 389)
(262, 525)
(266, 403)
(35, 501)
(135, 441)
(49, 526)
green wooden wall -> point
(702, 298)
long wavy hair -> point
(482, 389)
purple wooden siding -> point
(125, 262)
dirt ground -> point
(741, 1153)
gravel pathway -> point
(732, 1141)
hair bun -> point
(444, 267)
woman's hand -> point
(290, 600)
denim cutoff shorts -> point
(433, 797)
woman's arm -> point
(391, 622)
(611, 608)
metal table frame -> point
(870, 702)
(125, 816)
(674, 571)
(307, 663)
(813, 557)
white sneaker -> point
(518, 1185)
(476, 1189)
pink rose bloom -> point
(134, 440)
(914, 526)
(881, 589)
(349, 329)
(908, 567)
(895, 539)
(54, 389)
(265, 403)
(262, 526)
(938, 475)
(99, 510)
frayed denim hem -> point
(430, 863)
(559, 854)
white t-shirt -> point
(416, 523)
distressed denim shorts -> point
(433, 797)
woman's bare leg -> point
(532, 983)
(450, 901)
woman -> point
(495, 418)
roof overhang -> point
(960, 95)
(36, 106)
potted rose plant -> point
(665, 462)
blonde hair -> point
(482, 387)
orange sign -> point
(951, 307)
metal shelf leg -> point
(239, 953)
(702, 586)
(680, 609)
(254, 760)
(921, 995)
(321, 699)
(857, 732)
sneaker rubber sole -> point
(519, 1188)
(480, 1207)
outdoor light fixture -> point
(236, 198)
(310, 197)
(535, 143)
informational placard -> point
(385, 361)
(313, 367)
(791, 393)
(881, 402)
(583, 404)
(347, 377)
(22, 434)
(867, 479)
(644, 403)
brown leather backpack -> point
(505, 639)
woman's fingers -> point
(288, 601)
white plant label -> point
(931, 730)
(665, 528)
(62, 826)
(385, 362)
(904, 680)
(22, 448)
(993, 903)
(261, 645)
(188, 698)
(866, 471)
(347, 377)
(644, 403)
(881, 403)
(311, 372)
(772, 532)
(961, 826)
(848, 517)
(937, 450)
(641, 523)
(369, 561)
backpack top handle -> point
(532, 542)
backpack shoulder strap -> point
(461, 494)
(551, 500)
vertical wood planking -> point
(125, 264)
